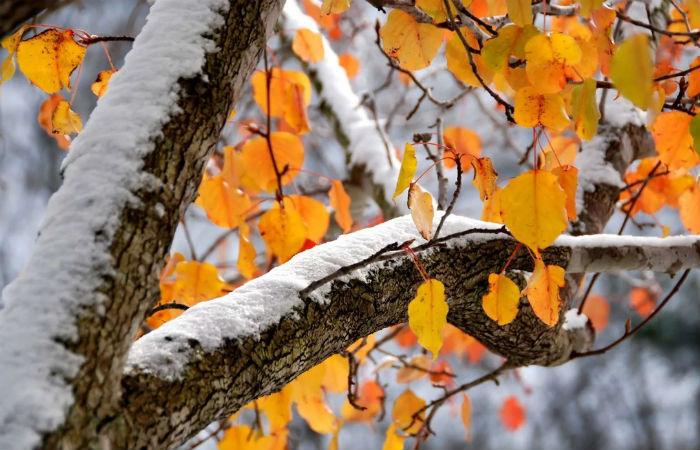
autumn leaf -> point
(462, 141)
(671, 132)
(45, 119)
(10, 43)
(694, 79)
(335, 377)
(283, 231)
(466, 413)
(688, 206)
(350, 64)
(533, 207)
(308, 46)
(409, 163)
(290, 94)
(49, 58)
(491, 211)
(484, 177)
(427, 315)
(543, 291)
(418, 368)
(317, 413)
(393, 440)
(314, 214)
(512, 413)
(520, 11)
(548, 58)
(420, 202)
(533, 108)
(258, 166)
(458, 60)
(642, 301)
(511, 40)
(361, 348)
(659, 191)
(560, 150)
(501, 301)
(334, 6)
(246, 253)
(597, 309)
(196, 282)
(584, 109)
(224, 205)
(99, 87)
(64, 120)
(277, 407)
(340, 202)
(631, 70)
(567, 176)
(405, 406)
(370, 396)
(413, 44)
(241, 437)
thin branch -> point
(165, 306)
(458, 188)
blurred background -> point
(644, 394)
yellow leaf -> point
(241, 437)
(393, 440)
(589, 5)
(283, 231)
(548, 57)
(64, 120)
(632, 70)
(340, 202)
(258, 166)
(405, 406)
(543, 292)
(196, 282)
(225, 206)
(420, 202)
(584, 108)
(333, 444)
(335, 378)
(360, 350)
(533, 207)
(501, 301)
(407, 171)
(484, 177)
(232, 167)
(458, 60)
(334, 6)
(520, 11)
(418, 368)
(492, 207)
(466, 413)
(413, 44)
(308, 45)
(246, 253)
(567, 176)
(427, 315)
(317, 414)
(10, 44)
(49, 58)
(694, 79)
(99, 87)
(313, 213)
(511, 40)
(277, 407)
(533, 108)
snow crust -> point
(264, 301)
(72, 256)
(593, 169)
(573, 320)
(366, 145)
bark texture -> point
(14, 13)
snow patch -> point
(593, 169)
(72, 256)
(573, 320)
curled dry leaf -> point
(420, 202)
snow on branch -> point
(366, 148)
(41, 310)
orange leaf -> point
(458, 61)
(466, 414)
(512, 413)
(290, 94)
(694, 79)
(335, 378)
(567, 177)
(258, 166)
(406, 338)
(543, 292)
(393, 441)
(419, 365)
(533, 208)
(492, 207)
(560, 150)
(413, 44)
(196, 282)
(597, 309)
(671, 131)
(484, 177)
(283, 231)
(225, 206)
(277, 407)
(533, 108)
(241, 437)
(308, 45)
(45, 120)
(642, 301)
(462, 141)
(350, 64)
(99, 87)
(688, 206)
(49, 58)
(500, 303)
(313, 213)
(420, 202)
(361, 347)
(371, 396)
(340, 202)
(405, 406)
(317, 414)
(246, 253)
(440, 370)
(548, 57)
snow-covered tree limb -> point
(224, 353)
(370, 164)
(68, 322)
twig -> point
(268, 138)
(95, 39)
(629, 333)
(165, 306)
(188, 238)
(455, 195)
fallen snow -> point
(593, 169)
(72, 253)
(573, 320)
(366, 145)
